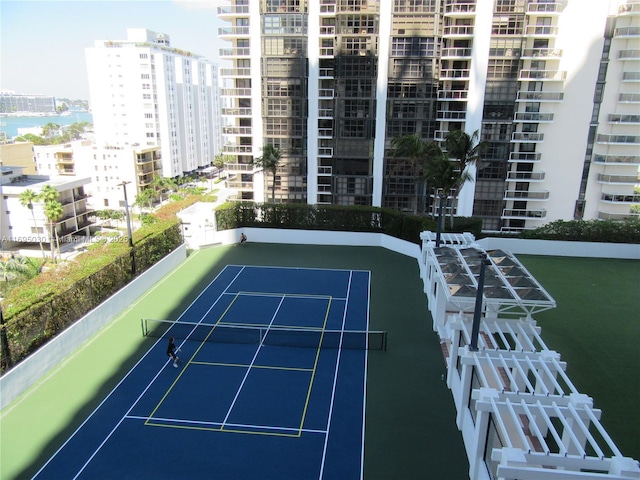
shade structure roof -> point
(508, 285)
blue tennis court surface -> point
(270, 385)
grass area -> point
(596, 330)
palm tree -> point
(465, 150)
(410, 153)
(269, 161)
(26, 199)
(53, 211)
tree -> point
(442, 174)
(27, 198)
(465, 150)
(145, 198)
(409, 153)
(269, 161)
(53, 211)
(161, 184)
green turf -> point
(596, 330)
(410, 423)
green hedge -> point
(38, 310)
(334, 218)
(611, 231)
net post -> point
(142, 325)
(384, 341)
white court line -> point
(366, 366)
(120, 382)
(219, 424)
(335, 379)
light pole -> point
(439, 229)
(475, 328)
(126, 210)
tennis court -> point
(271, 384)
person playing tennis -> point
(171, 352)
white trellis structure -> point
(520, 415)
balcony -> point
(326, 72)
(238, 167)
(453, 94)
(525, 96)
(230, 53)
(527, 137)
(235, 72)
(325, 112)
(631, 76)
(504, 52)
(617, 159)
(457, 8)
(627, 32)
(617, 216)
(325, 152)
(455, 53)
(544, 8)
(325, 132)
(455, 74)
(326, 93)
(240, 185)
(629, 9)
(234, 148)
(524, 157)
(326, 52)
(526, 195)
(328, 30)
(541, 53)
(619, 118)
(537, 214)
(533, 117)
(618, 139)
(237, 130)
(629, 54)
(325, 171)
(629, 98)
(236, 112)
(542, 75)
(526, 176)
(451, 115)
(458, 31)
(541, 31)
(233, 11)
(620, 198)
(227, 32)
(619, 179)
(235, 92)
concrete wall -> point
(31, 369)
(562, 248)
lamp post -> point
(475, 328)
(126, 210)
(439, 228)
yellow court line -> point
(315, 366)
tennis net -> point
(273, 335)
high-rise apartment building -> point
(146, 94)
(551, 86)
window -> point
(413, 47)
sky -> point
(42, 42)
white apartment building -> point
(146, 94)
(108, 168)
(553, 87)
(19, 224)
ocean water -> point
(10, 125)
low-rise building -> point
(20, 224)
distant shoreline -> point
(42, 114)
